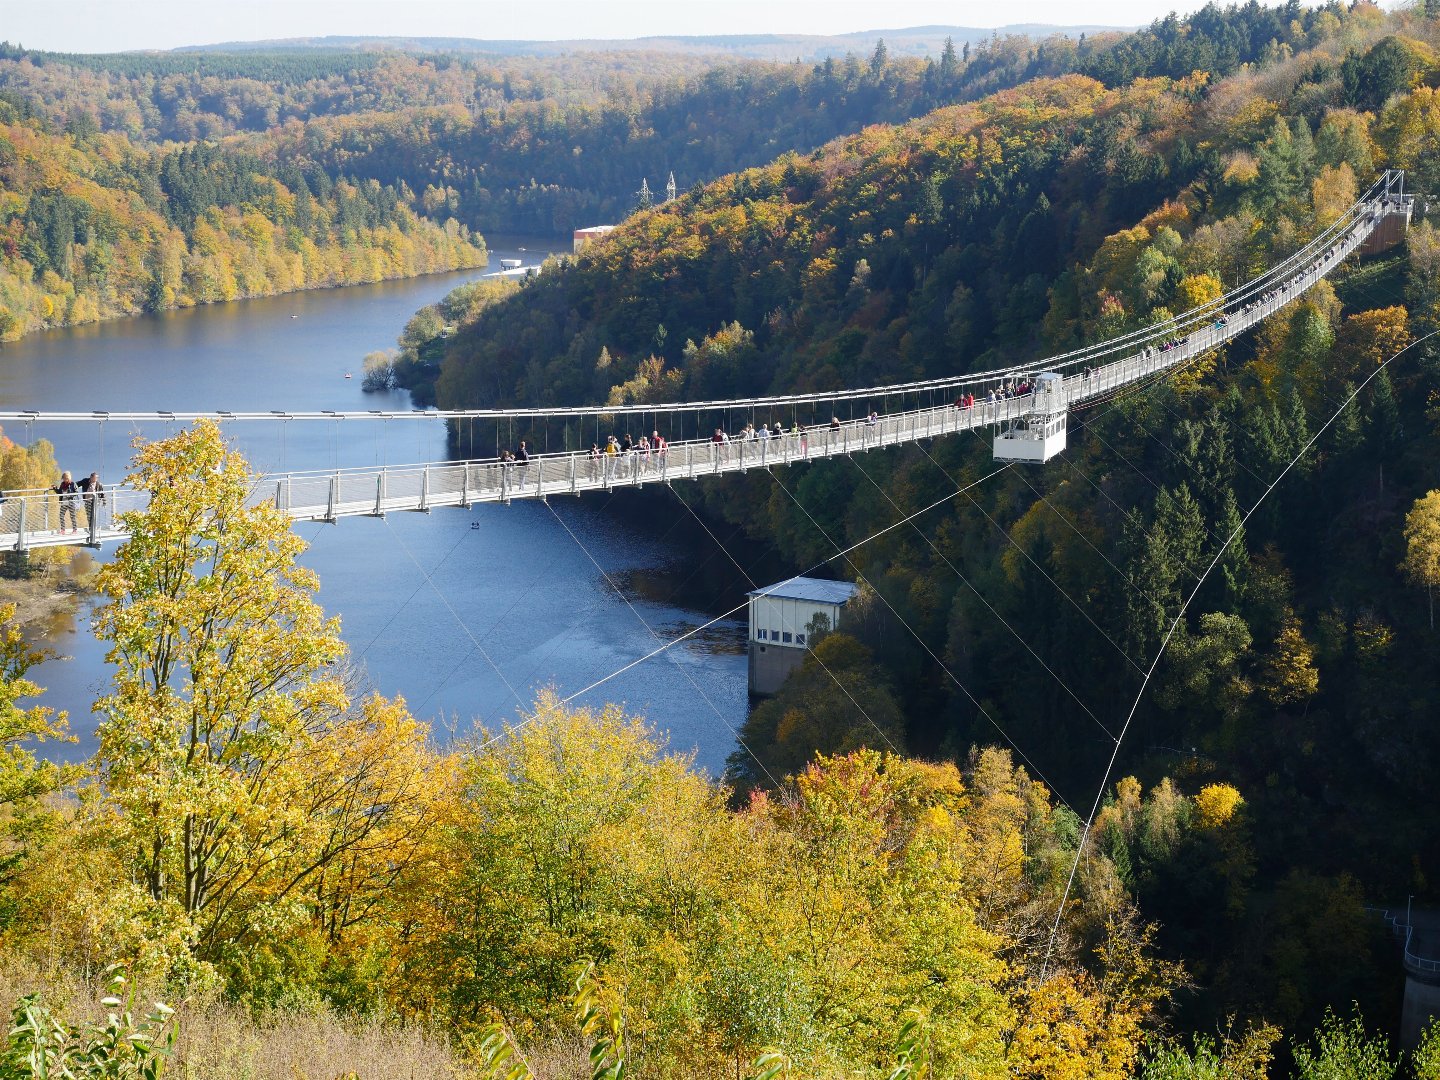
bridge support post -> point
(574, 486)
(279, 487)
(20, 544)
(465, 485)
(424, 488)
(331, 498)
(380, 494)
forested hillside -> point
(297, 169)
(96, 226)
(548, 144)
(894, 877)
(1068, 210)
(547, 166)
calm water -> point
(465, 612)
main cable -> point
(813, 654)
(651, 630)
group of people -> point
(89, 491)
(775, 430)
(648, 452)
(1011, 389)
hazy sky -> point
(114, 25)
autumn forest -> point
(900, 873)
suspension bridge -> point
(1026, 405)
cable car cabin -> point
(1039, 435)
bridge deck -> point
(34, 520)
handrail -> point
(1078, 387)
(1419, 965)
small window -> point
(760, 635)
(799, 639)
(785, 637)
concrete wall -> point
(770, 665)
(1422, 1002)
(1389, 231)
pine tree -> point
(1215, 457)
(949, 63)
(1178, 516)
(1347, 434)
(1383, 423)
(931, 206)
(879, 57)
(1296, 428)
(1152, 599)
(1235, 562)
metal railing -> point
(43, 519)
(1423, 966)
(1385, 196)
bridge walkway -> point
(31, 520)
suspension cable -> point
(1170, 633)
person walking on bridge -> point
(94, 494)
(69, 494)
(522, 462)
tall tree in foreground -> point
(247, 797)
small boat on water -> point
(347, 374)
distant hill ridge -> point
(907, 41)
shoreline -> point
(125, 315)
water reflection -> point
(465, 613)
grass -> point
(220, 1041)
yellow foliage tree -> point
(1333, 192)
(1289, 675)
(242, 792)
(1216, 804)
(1422, 545)
(1369, 338)
(25, 779)
(1197, 289)
(819, 918)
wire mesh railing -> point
(925, 410)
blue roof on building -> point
(815, 590)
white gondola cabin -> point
(1039, 435)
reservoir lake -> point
(466, 613)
